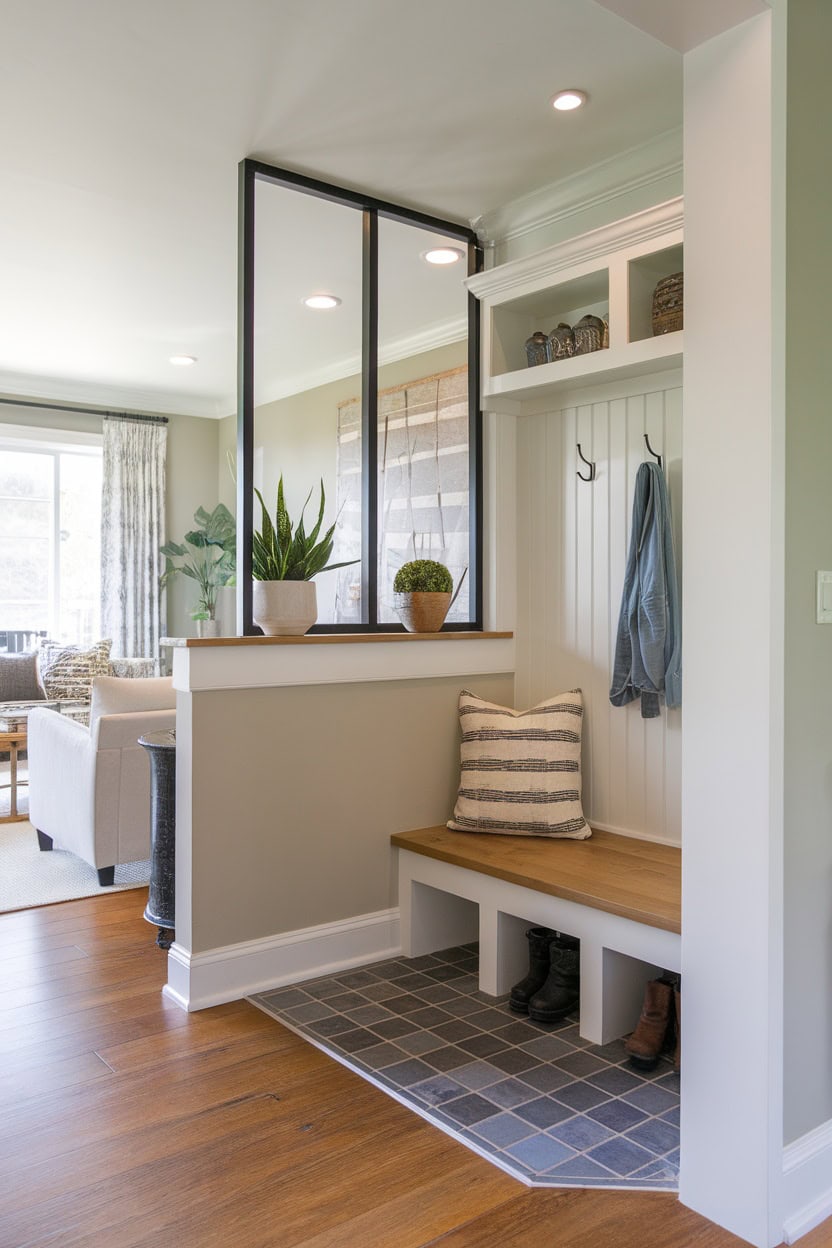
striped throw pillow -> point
(521, 770)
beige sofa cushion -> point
(113, 695)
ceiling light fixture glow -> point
(322, 301)
(183, 360)
(443, 255)
(566, 101)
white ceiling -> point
(123, 124)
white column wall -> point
(731, 1165)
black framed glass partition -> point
(358, 367)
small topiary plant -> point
(423, 576)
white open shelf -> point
(610, 272)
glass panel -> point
(79, 549)
(423, 454)
(307, 365)
(26, 485)
(42, 589)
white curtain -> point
(132, 531)
(423, 458)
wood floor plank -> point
(224, 1128)
(25, 1180)
(40, 1041)
(13, 961)
(64, 1015)
(80, 1118)
(203, 1035)
(421, 1215)
(48, 1076)
(591, 1218)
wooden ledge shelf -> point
(330, 639)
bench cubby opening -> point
(447, 878)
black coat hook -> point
(652, 452)
(590, 465)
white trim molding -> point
(199, 980)
(645, 165)
(428, 339)
(248, 666)
(807, 1182)
(533, 271)
(107, 397)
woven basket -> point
(668, 304)
(422, 612)
(589, 334)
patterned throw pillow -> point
(19, 678)
(521, 770)
(67, 672)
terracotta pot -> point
(422, 613)
(284, 608)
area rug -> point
(534, 1099)
(29, 877)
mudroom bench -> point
(620, 896)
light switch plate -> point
(824, 597)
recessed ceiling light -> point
(322, 301)
(183, 359)
(443, 255)
(565, 101)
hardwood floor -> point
(127, 1122)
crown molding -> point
(441, 335)
(632, 170)
(113, 398)
(169, 403)
(536, 268)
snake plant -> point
(283, 552)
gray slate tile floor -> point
(537, 1099)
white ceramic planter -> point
(284, 608)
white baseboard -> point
(196, 981)
(807, 1182)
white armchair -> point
(89, 788)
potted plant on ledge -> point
(422, 595)
(209, 557)
(284, 558)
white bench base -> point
(442, 905)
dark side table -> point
(161, 902)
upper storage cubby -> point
(645, 273)
(514, 321)
(608, 275)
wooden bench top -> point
(638, 880)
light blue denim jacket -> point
(648, 649)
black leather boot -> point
(539, 939)
(561, 992)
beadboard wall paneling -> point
(573, 538)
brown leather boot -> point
(677, 1056)
(644, 1046)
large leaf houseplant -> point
(207, 555)
(284, 559)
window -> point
(50, 522)
(370, 387)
